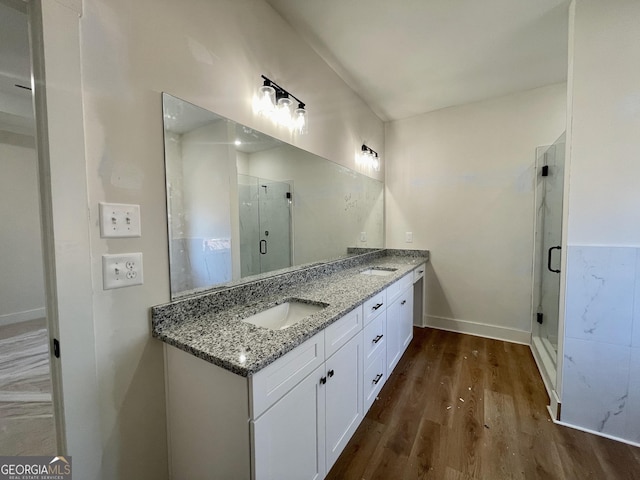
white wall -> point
(606, 120)
(211, 54)
(461, 179)
(601, 361)
(22, 280)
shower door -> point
(265, 225)
(549, 193)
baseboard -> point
(478, 329)
(600, 434)
(11, 318)
(545, 365)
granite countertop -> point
(222, 338)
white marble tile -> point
(633, 408)
(600, 293)
(635, 340)
(595, 390)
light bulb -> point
(284, 112)
(300, 120)
(266, 100)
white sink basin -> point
(284, 315)
(378, 271)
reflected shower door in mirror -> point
(265, 225)
(229, 215)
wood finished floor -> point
(459, 407)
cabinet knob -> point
(377, 339)
(330, 373)
(323, 380)
(377, 379)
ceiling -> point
(406, 57)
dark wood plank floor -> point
(459, 407)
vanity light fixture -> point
(274, 102)
(369, 158)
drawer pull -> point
(421, 271)
(323, 380)
(377, 339)
(403, 302)
(377, 379)
(330, 373)
(377, 306)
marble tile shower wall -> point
(601, 368)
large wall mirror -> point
(241, 203)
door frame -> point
(54, 33)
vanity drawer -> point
(375, 339)
(418, 273)
(395, 289)
(275, 380)
(341, 331)
(374, 306)
(374, 377)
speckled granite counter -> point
(209, 326)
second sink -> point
(382, 271)
(284, 315)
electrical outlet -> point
(121, 270)
(363, 236)
(408, 237)
(119, 220)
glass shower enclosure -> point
(265, 225)
(549, 189)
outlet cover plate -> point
(121, 270)
(119, 220)
(408, 237)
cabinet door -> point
(406, 319)
(289, 437)
(393, 336)
(374, 378)
(344, 402)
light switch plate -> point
(408, 237)
(119, 220)
(363, 236)
(121, 270)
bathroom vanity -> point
(248, 399)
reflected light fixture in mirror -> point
(368, 158)
(274, 102)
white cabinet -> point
(375, 374)
(375, 352)
(293, 418)
(343, 390)
(275, 380)
(399, 320)
(289, 438)
(393, 336)
(406, 318)
(304, 432)
(374, 306)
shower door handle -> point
(549, 258)
(263, 247)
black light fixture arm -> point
(281, 92)
(369, 150)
